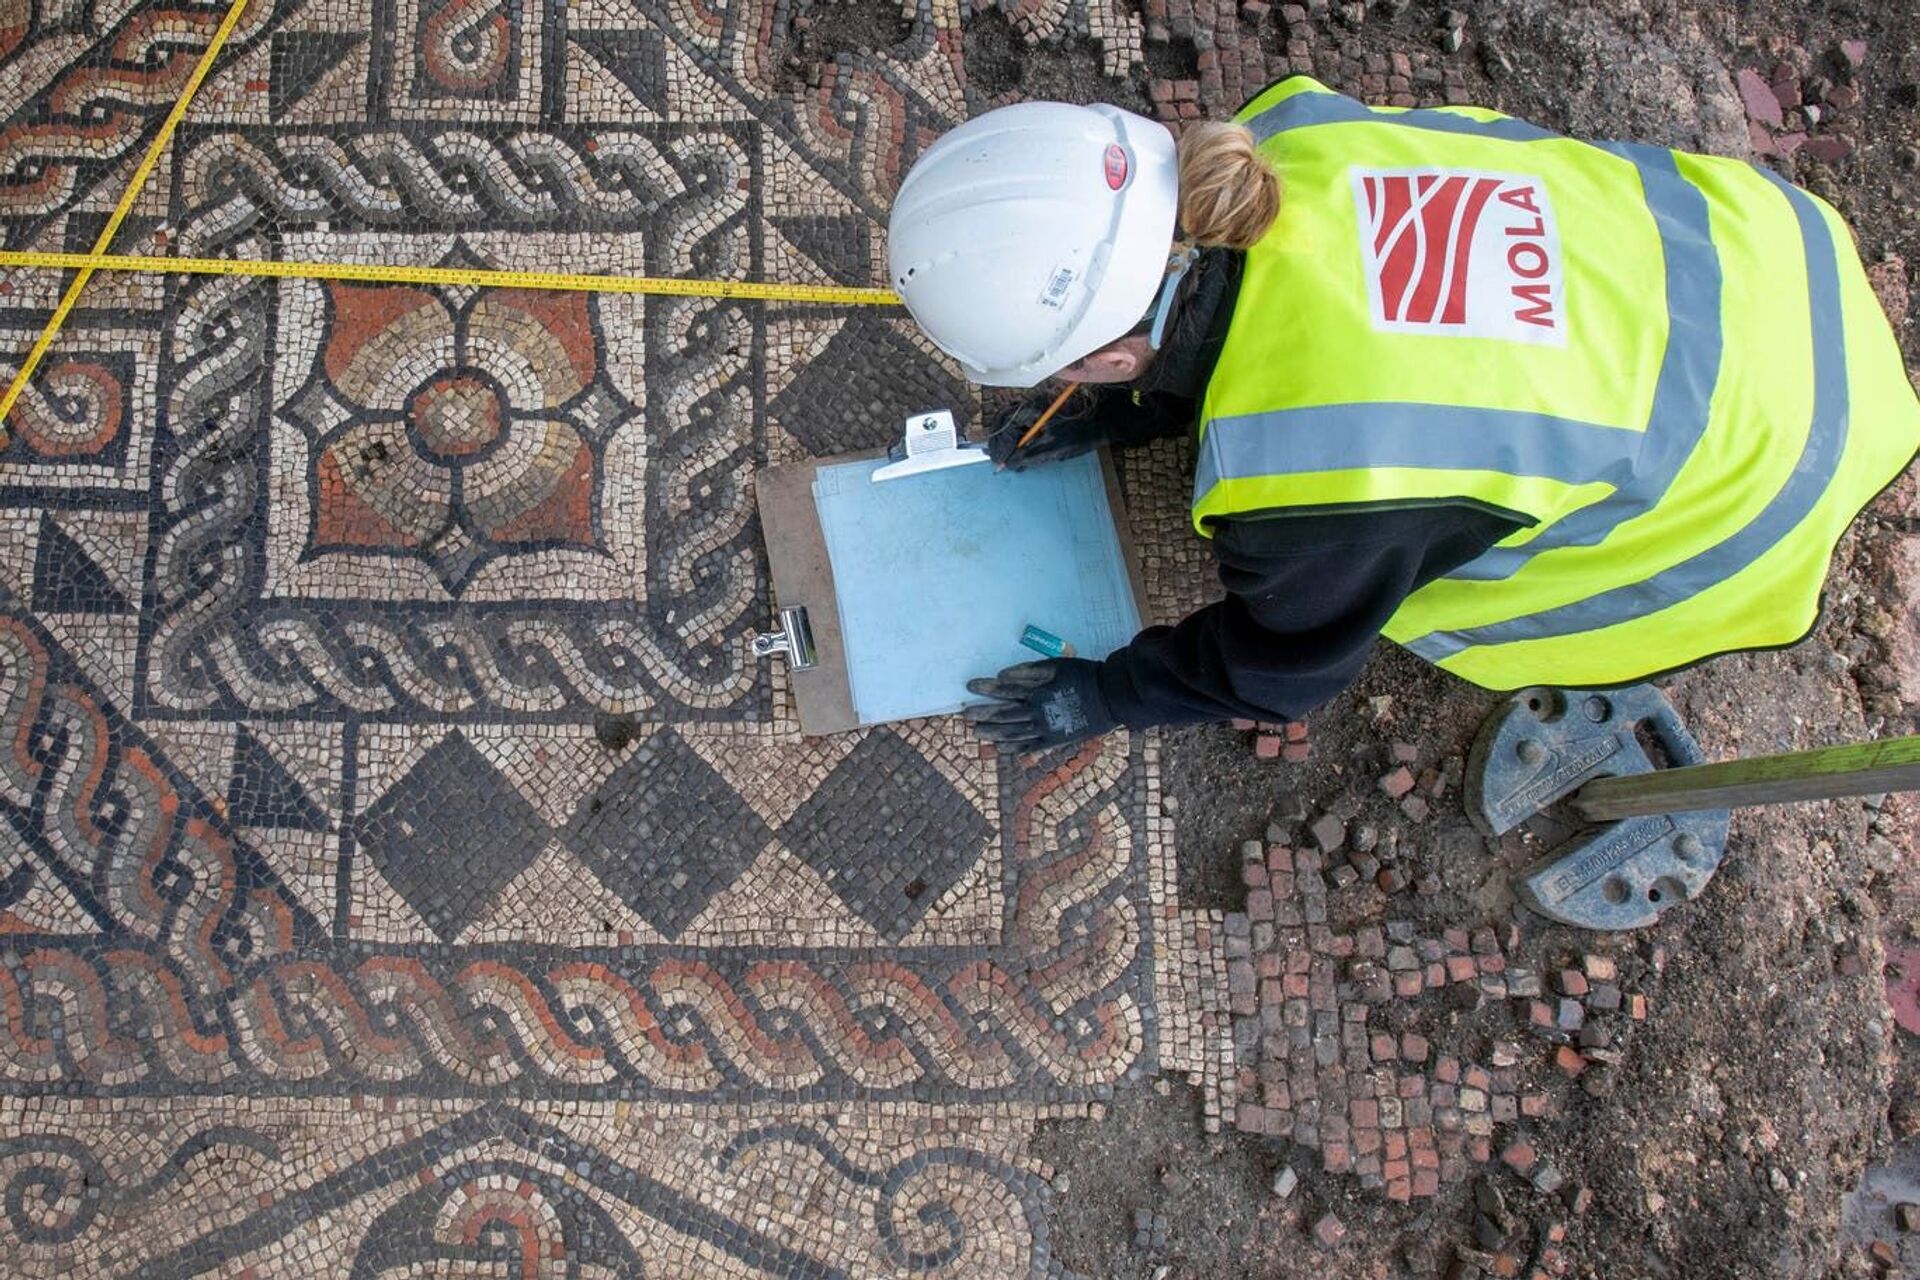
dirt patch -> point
(824, 29)
(1003, 66)
(817, 32)
(1148, 1157)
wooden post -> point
(1857, 769)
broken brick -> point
(1329, 1231)
(1397, 783)
(1828, 149)
(1756, 95)
(1520, 1157)
(1569, 1060)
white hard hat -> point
(1037, 233)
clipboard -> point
(891, 595)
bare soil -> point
(1770, 1075)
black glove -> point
(1040, 704)
(1075, 430)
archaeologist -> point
(1539, 410)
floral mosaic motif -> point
(473, 423)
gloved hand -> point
(1040, 704)
(1074, 430)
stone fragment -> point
(1757, 97)
(1785, 83)
(1329, 1230)
(1397, 783)
(1569, 1060)
(1285, 1181)
(1328, 832)
(1853, 53)
(1829, 148)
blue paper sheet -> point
(937, 574)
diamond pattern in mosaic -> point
(450, 835)
(855, 394)
(666, 832)
(888, 832)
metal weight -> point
(1544, 744)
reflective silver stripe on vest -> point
(1348, 437)
(1331, 108)
(1689, 368)
(1825, 443)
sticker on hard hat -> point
(1461, 253)
(1058, 283)
(1116, 165)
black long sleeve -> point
(1307, 596)
(1307, 593)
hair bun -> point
(1229, 194)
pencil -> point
(1045, 418)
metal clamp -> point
(1542, 746)
(794, 640)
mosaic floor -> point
(332, 940)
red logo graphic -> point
(1461, 252)
(1423, 227)
(1116, 166)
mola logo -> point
(1460, 253)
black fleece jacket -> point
(1307, 591)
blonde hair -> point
(1229, 194)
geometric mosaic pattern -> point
(331, 939)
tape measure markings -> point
(120, 211)
(373, 273)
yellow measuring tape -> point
(370, 273)
(120, 211)
(100, 260)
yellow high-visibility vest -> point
(1669, 366)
